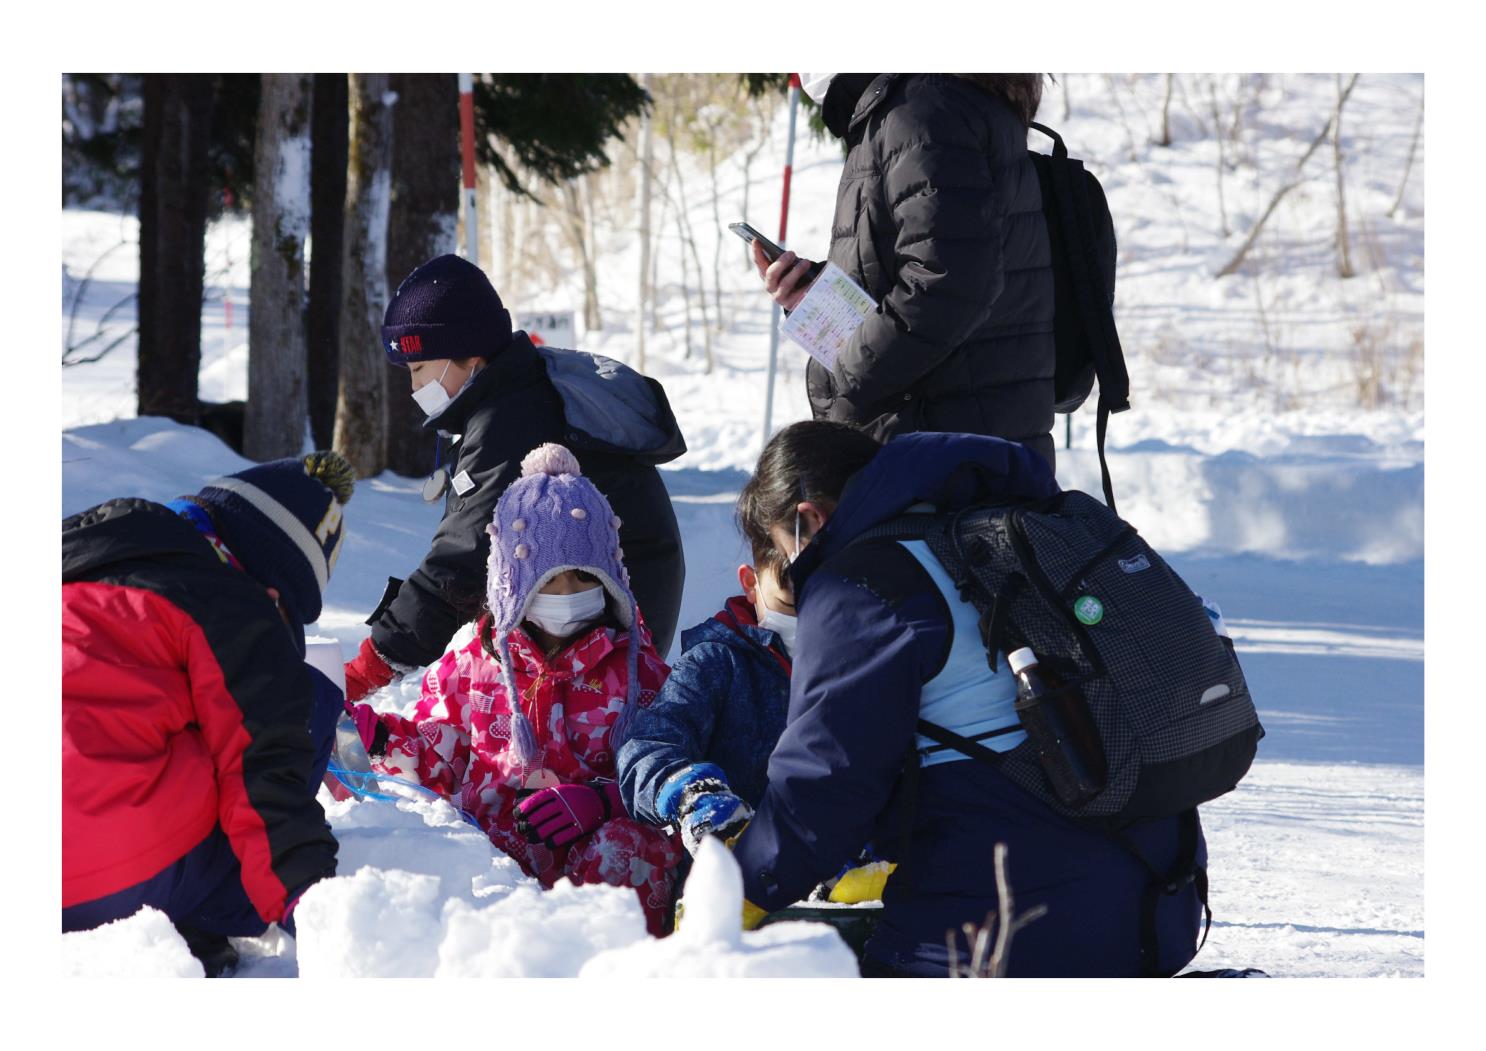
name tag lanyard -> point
(438, 482)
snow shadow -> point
(1333, 653)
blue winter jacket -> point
(873, 628)
(724, 702)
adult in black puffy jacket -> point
(494, 397)
(939, 218)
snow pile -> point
(710, 942)
(1342, 497)
(421, 893)
(145, 945)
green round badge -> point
(1088, 609)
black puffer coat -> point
(939, 217)
(510, 407)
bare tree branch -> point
(990, 944)
(1409, 166)
(1295, 180)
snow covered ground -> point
(1246, 459)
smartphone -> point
(771, 250)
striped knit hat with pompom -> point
(282, 520)
(549, 520)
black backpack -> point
(1069, 578)
(1076, 583)
(1081, 233)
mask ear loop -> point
(797, 522)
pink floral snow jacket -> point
(456, 745)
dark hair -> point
(1022, 90)
(811, 460)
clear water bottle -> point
(1057, 720)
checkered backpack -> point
(1076, 583)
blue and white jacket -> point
(724, 703)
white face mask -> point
(432, 398)
(816, 85)
(781, 624)
(562, 615)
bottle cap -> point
(1020, 659)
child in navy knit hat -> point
(520, 726)
(194, 737)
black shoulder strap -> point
(1183, 871)
(1066, 177)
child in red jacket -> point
(193, 735)
(519, 727)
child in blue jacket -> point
(698, 756)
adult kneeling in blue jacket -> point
(883, 638)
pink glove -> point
(366, 721)
(557, 816)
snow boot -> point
(217, 956)
(1226, 972)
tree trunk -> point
(424, 216)
(647, 157)
(1409, 164)
(1343, 242)
(656, 322)
(593, 316)
(576, 216)
(172, 229)
(717, 227)
(1212, 86)
(689, 242)
(361, 406)
(327, 226)
(278, 402)
(1165, 139)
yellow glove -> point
(863, 883)
(752, 914)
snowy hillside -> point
(1275, 452)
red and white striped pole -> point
(789, 167)
(467, 153)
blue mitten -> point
(698, 799)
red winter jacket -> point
(185, 702)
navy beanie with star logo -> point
(282, 520)
(447, 308)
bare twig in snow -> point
(1343, 245)
(990, 944)
(1409, 166)
(1295, 180)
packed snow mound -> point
(710, 942)
(421, 893)
(1341, 498)
(146, 945)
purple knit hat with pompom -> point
(549, 520)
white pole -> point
(789, 164)
(467, 150)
